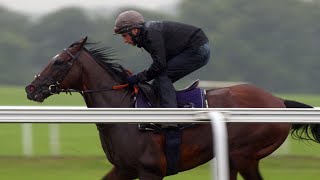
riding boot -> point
(166, 91)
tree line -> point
(273, 44)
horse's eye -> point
(58, 62)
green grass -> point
(53, 168)
(293, 168)
(83, 140)
(75, 140)
(300, 148)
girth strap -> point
(173, 142)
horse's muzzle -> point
(30, 89)
(33, 95)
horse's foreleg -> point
(149, 176)
(116, 174)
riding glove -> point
(133, 80)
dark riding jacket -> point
(164, 40)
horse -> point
(135, 154)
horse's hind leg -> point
(149, 176)
(116, 174)
(249, 169)
(232, 171)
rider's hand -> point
(133, 80)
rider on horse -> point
(177, 49)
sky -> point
(40, 7)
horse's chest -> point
(119, 147)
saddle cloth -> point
(190, 97)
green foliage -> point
(273, 44)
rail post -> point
(220, 140)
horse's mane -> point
(105, 57)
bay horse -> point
(141, 155)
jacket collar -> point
(141, 36)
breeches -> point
(178, 67)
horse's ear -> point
(83, 41)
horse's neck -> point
(95, 78)
(107, 99)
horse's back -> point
(242, 96)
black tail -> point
(303, 131)
(295, 104)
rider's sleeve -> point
(157, 51)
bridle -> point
(54, 87)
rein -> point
(58, 90)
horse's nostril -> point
(30, 88)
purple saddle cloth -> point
(193, 98)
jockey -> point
(176, 49)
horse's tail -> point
(303, 131)
(295, 104)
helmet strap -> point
(134, 37)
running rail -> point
(25, 114)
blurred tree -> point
(263, 42)
(273, 44)
(13, 47)
(57, 30)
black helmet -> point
(127, 21)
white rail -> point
(16, 114)
(95, 115)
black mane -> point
(105, 57)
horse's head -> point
(61, 72)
